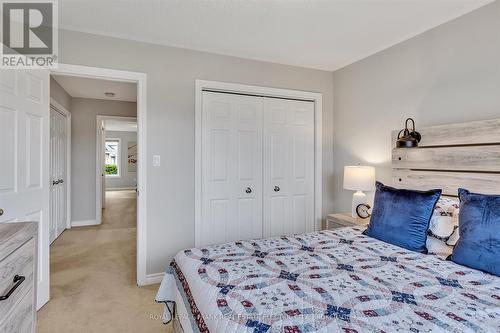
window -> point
(112, 157)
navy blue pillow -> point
(479, 228)
(401, 217)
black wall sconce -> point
(407, 138)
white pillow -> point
(438, 248)
(443, 228)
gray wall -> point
(170, 120)
(83, 150)
(59, 94)
(448, 74)
(127, 178)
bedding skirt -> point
(327, 281)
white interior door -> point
(24, 148)
(288, 166)
(58, 158)
(100, 168)
(103, 167)
(231, 168)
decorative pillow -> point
(452, 241)
(443, 228)
(401, 217)
(479, 243)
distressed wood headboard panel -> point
(451, 156)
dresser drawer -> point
(21, 318)
(20, 262)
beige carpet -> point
(92, 271)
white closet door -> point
(288, 167)
(58, 147)
(63, 181)
(231, 168)
(53, 194)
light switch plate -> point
(156, 160)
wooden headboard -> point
(451, 156)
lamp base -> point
(358, 198)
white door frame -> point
(140, 79)
(317, 98)
(100, 163)
(67, 114)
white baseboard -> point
(153, 278)
(84, 223)
(120, 188)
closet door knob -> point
(1, 211)
(248, 190)
(277, 189)
(61, 181)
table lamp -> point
(359, 178)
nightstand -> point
(341, 220)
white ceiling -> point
(95, 88)
(323, 34)
(120, 125)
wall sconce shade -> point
(408, 138)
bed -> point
(342, 280)
(328, 281)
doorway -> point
(105, 218)
(116, 158)
(140, 80)
(139, 191)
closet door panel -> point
(279, 155)
(276, 168)
(249, 205)
(276, 187)
(299, 214)
(246, 228)
(288, 166)
(231, 168)
(62, 173)
(58, 178)
(248, 157)
(53, 175)
(278, 211)
(220, 157)
(219, 211)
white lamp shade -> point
(359, 178)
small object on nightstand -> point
(363, 211)
(342, 220)
(359, 178)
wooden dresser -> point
(18, 253)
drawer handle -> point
(18, 279)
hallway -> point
(93, 282)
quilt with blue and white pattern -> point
(332, 281)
